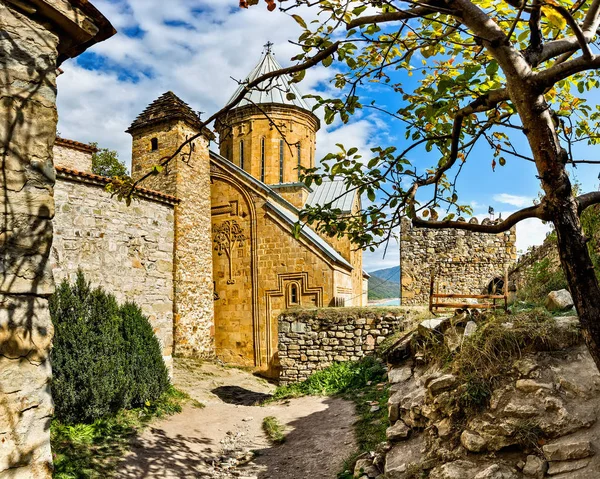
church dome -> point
(276, 90)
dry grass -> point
(273, 429)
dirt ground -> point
(225, 440)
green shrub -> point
(543, 279)
(145, 366)
(105, 356)
(336, 379)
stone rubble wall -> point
(310, 340)
(127, 250)
(464, 262)
(521, 273)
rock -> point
(496, 471)
(397, 432)
(517, 409)
(453, 339)
(470, 329)
(531, 386)
(472, 441)
(567, 466)
(444, 428)
(564, 451)
(432, 327)
(559, 300)
(374, 409)
(436, 386)
(525, 366)
(535, 467)
(402, 457)
(400, 375)
(364, 467)
(454, 470)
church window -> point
(299, 152)
(281, 146)
(242, 154)
(293, 294)
(262, 159)
(154, 142)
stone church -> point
(207, 249)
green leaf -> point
(371, 195)
(299, 20)
(327, 61)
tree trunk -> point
(562, 209)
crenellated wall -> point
(463, 262)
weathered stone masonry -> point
(128, 250)
(463, 262)
(35, 37)
(310, 340)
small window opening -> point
(299, 148)
(281, 146)
(154, 142)
(293, 293)
(262, 159)
(242, 154)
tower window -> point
(281, 145)
(154, 142)
(262, 159)
(299, 152)
(293, 298)
(242, 154)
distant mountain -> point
(389, 274)
(384, 283)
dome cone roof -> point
(275, 90)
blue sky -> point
(196, 47)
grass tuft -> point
(273, 429)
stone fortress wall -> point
(463, 262)
(127, 250)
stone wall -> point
(310, 340)
(189, 181)
(523, 270)
(73, 155)
(463, 262)
(34, 39)
(128, 250)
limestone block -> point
(561, 467)
(565, 450)
(535, 467)
(559, 300)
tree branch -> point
(536, 211)
(431, 6)
(547, 78)
(587, 200)
(581, 38)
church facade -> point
(227, 217)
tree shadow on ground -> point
(166, 456)
(316, 446)
(240, 396)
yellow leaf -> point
(555, 18)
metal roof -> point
(274, 90)
(333, 192)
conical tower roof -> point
(167, 107)
(274, 90)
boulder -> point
(496, 471)
(400, 375)
(559, 300)
(365, 468)
(470, 329)
(535, 467)
(444, 428)
(565, 451)
(397, 432)
(472, 441)
(454, 470)
(561, 467)
(443, 383)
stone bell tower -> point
(157, 133)
(271, 132)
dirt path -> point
(217, 441)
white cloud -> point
(514, 200)
(192, 48)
